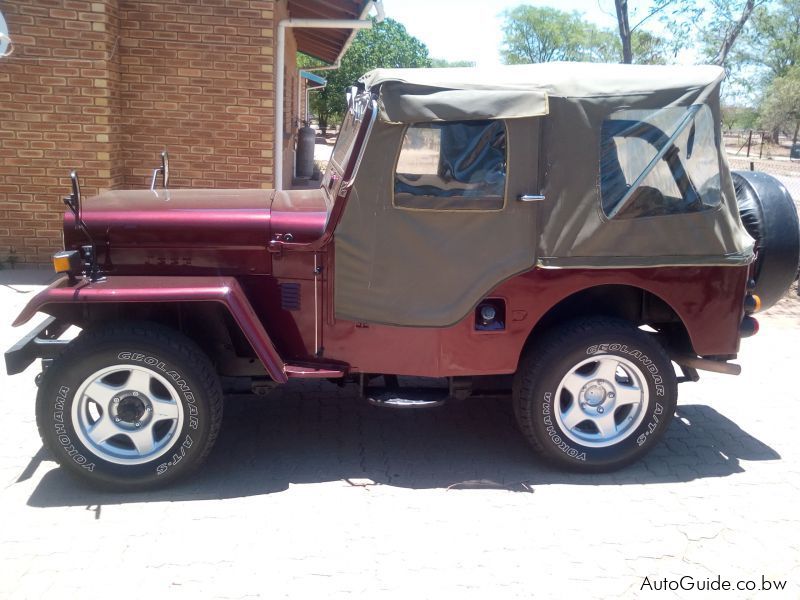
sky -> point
(472, 29)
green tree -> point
(781, 106)
(441, 63)
(639, 46)
(545, 34)
(773, 43)
(769, 48)
(738, 117)
(718, 23)
(541, 34)
(387, 44)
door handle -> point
(530, 198)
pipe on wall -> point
(280, 63)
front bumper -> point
(42, 342)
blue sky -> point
(471, 29)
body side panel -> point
(707, 299)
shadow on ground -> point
(11, 278)
(301, 435)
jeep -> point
(568, 233)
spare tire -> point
(770, 217)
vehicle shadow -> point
(301, 435)
(11, 278)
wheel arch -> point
(212, 311)
(632, 303)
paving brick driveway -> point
(311, 494)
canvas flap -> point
(407, 103)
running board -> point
(406, 398)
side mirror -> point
(73, 201)
(163, 170)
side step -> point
(407, 398)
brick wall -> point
(104, 85)
(55, 106)
(196, 78)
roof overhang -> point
(324, 44)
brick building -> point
(102, 86)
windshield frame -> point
(348, 138)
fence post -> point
(749, 140)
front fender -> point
(131, 289)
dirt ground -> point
(788, 306)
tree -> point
(720, 23)
(781, 106)
(534, 35)
(387, 44)
(769, 48)
(682, 10)
(738, 117)
(773, 43)
(442, 63)
(726, 25)
(546, 34)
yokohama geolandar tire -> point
(130, 406)
(595, 395)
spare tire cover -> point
(770, 217)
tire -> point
(130, 406)
(624, 392)
(770, 217)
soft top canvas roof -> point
(518, 91)
(563, 79)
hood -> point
(188, 231)
(175, 218)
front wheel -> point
(595, 395)
(130, 406)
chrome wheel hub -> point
(601, 401)
(127, 414)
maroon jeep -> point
(571, 232)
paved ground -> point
(310, 494)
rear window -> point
(685, 179)
(452, 166)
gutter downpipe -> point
(280, 63)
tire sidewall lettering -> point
(638, 355)
(553, 434)
(179, 382)
(62, 437)
(62, 427)
(654, 419)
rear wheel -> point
(595, 395)
(130, 406)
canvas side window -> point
(685, 180)
(452, 166)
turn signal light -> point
(67, 261)
(752, 304)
